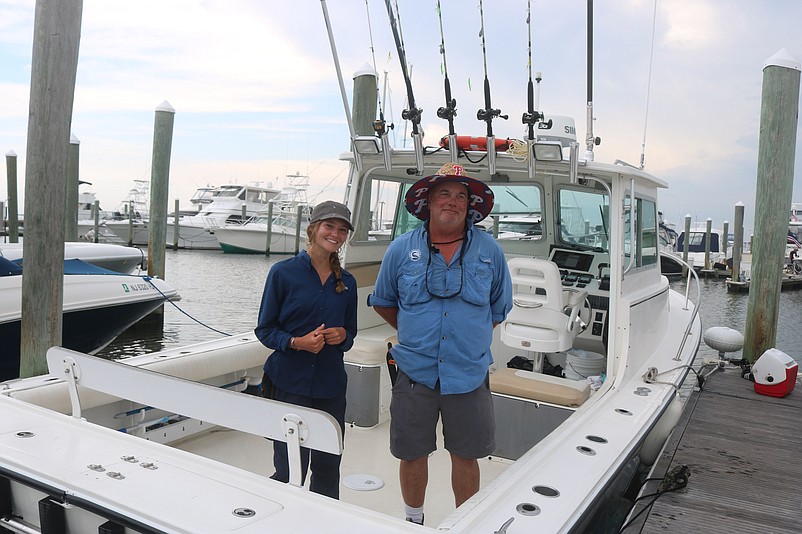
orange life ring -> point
(466, 142)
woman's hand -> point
(334, 335)
(313, 341)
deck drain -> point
(244, 512)
(596, 439)
(527, 508)
(362, 482)
(25, 434)
(642, 391)
(623, 411)
(546, 491)
(586, 450)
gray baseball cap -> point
(330, 209)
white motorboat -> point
(227, 204)
(565, 453)
(98, 305)
(697, 245)
(282, 220)
(106, 255)
(140, 451)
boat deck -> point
(366, 458)
(745, 462)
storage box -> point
(775, 373)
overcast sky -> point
(256, 96)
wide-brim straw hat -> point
(480, 203)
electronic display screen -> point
(572, 260)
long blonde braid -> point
(334, 257)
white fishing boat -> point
(106, 255)
(287, 233)
(138, 446)
(98, 305)
(230, 203)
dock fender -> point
(657, 437)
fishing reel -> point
(412, 115)
(532, 118)
(381, 127)
(449, 111)
(489, 114)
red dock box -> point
(775, 373)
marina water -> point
(223, 291)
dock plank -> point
(744, 452)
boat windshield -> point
(584, 219)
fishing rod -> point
(488, 113)
(412, 114)
(590, 140)
(450, 110)
(380, 125)
(531, 117)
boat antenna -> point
(488, 113)
(531, 117)
(412, 114)
(449, 111)
(648, 90)
(380, 125)
(590, 141)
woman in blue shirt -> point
(308, 317)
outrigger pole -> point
(380, 125)
(531, 117)
(412, 114)
(357, 157)
(488, 113)
(449, 111)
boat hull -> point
(247, 240)
(96, 309)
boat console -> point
(585, 270)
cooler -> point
(775, 373)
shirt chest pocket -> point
(478, 281)
(412, 287)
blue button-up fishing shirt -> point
(445, 339)
(293, 304)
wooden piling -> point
(56, 37)
(685, 243)
(159, 185)
(775, 174)
(708, 233)
(298, 215)
(13, 211)
(269, 237)
(725, 228)
(71, 190)
(176, 227)
(738, 241)
(96, 222)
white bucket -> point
(580, 364)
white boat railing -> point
(296, 425)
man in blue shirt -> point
(444, 287)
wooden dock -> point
(789, 282)
(743, 451)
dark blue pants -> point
(325, 467)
